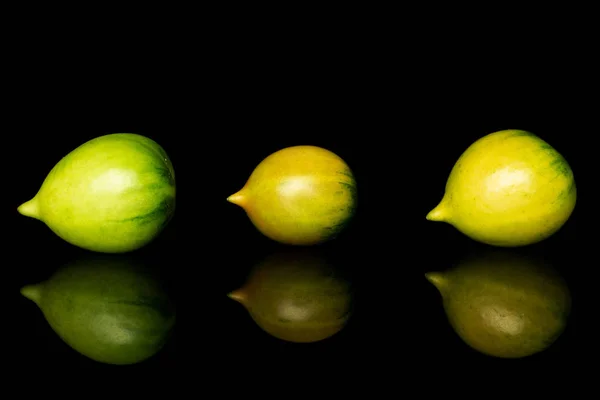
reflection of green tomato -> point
(108, 310)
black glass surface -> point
(401, 156)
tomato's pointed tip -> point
(29, 209)
(237, 295)
(439, 213)
(238, 198)
(437, 279)
(32, 292)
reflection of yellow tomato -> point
(504, 304)
(296, 297)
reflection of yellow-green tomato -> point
(296, 297)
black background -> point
(400, 120)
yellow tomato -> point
(301, 195)
(509, 188)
